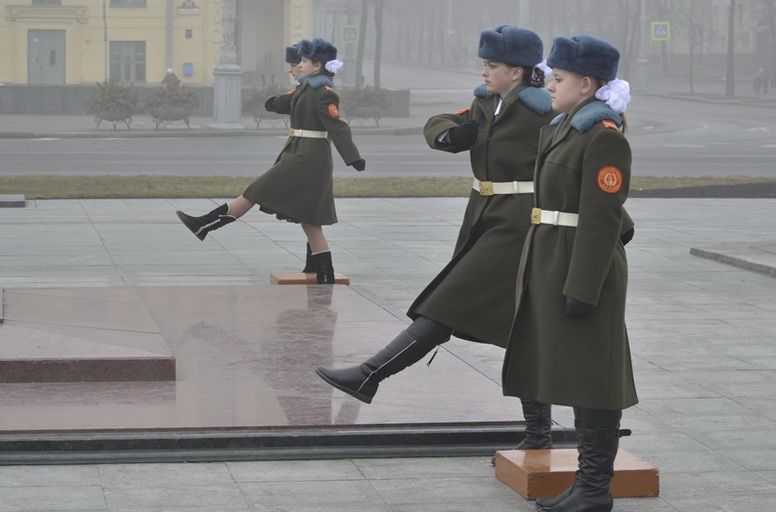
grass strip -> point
(137, 187)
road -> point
(668, 137)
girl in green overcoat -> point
(568, 343)
(473, 295)
(299, 187)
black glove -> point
(575, 308)
(627, 236)
(358, 165)
(464, 135)
(279, 104)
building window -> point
(127, 3)
(128, 61)
(46, 2)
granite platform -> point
(244, 360)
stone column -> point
(227, 93)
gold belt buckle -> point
(536, 215)
(486, 188)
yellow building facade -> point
(87, 41)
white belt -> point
(539, 216)
(308, 134)
(490, 188)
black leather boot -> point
(308, 262)
(212, 220)
(323, 268)
(538, 426)
(406, 349)
(597, 440)
(542, 503)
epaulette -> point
(608, 123)
(536, 99)
(592, 114)
(462, 111)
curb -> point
(735, 261)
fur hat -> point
(292, 53)
(511, 45)
(586, 55)
(318, 50)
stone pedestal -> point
(227, 87)
(227, 97)
(545, 473)
(12, 201)
(302, 278)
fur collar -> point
(317, 81)
(589, 115)
(536, 99)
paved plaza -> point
(701, 334)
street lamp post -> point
(227, 93)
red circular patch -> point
(333, 110)
(610, 179)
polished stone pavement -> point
(244, 356)
(702, 339)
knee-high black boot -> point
(538, 425)
(407, 348)
(212, 220)
(542, 503)
(308, 262)
(323, 267)
(598, 439)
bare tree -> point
(730, 81)
(695, 19)
(361, 43)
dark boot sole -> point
(187, 221)
(355, 394)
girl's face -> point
(568, 90)
(500, 78)
(309, 68)
(293, 70)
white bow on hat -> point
(616, 94)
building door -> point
(46, 57)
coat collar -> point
(584, 117)
(588, 115)
(507, 102)
(316, 81)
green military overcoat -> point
(474, 293)
(583, 167)
(299, 187)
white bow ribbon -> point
(333, 66)
(545, 68)
(616, 94)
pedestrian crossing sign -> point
(661, 31)
(350, 34)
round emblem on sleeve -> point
(610, 179)
(333, 110)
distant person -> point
(299, 187)
(760, 82)
(569, 344)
